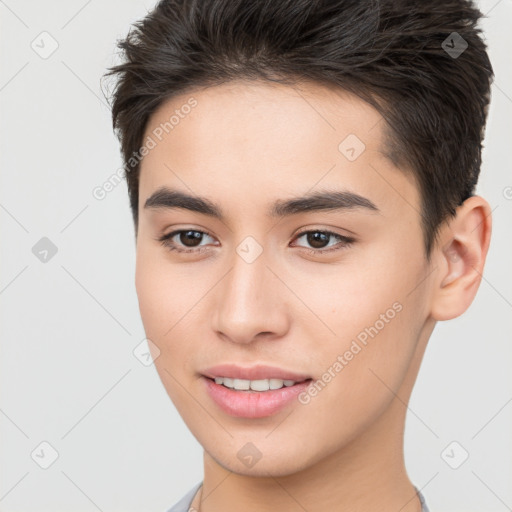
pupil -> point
(190, 236)
(317, 239)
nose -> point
(250, 303)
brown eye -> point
(185, 240)
(318, 240)
(190, 238)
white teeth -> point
(228, 383)
(275, 383)
(254, 385)
(260, 385)
(241, 384)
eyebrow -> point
(328, 200)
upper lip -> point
(257, 372)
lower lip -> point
(253, 404)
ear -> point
(459, 258)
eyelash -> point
(346, 241)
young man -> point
(302, 176)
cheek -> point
(152, 300)
(362, 367)
(162, 288)
(371, 315)
(351, 298)
(161, 300)
(170, 309)
(162, 307)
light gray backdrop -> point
(70, 320)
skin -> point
(245, 145)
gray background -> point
(69, 325)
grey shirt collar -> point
(185, 503)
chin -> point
(268, 468)
(270, 460)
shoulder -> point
(184, 504)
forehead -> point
(244, 138)
(232, 111)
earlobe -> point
(460, 258)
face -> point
(302, 270)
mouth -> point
(255, 392)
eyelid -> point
(327, 231)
